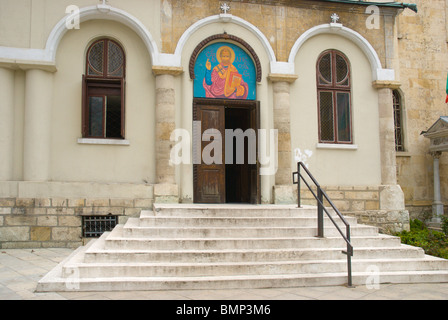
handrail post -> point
(298, 186)
(320, 213)
(349, 259)
(349, 269)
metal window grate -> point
(95, 226)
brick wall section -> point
(388, 222)
(56, 222)
(363, 203)
(348, 199)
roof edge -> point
(398, 5)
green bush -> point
(432, 242)
(445, 225)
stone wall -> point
(282, 22)
(423, 56)
(346, 199)
(388, 222)
(363, 203)
(57, 222)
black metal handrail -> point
(321, 194)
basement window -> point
(95, 226)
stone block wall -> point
(388, 222)
(363, 203)
(348, 199)
(423, 52)
(57, 222)
(282, 22)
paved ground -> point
(20, 269)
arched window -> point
(103, 91)
(398, 120)
(334, 98)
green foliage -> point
(417, 225)
(433, 242)
(445, 225)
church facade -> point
(110, 106)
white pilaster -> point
(6, 124)
(37, 126)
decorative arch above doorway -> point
(230, 39)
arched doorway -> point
(225, 124)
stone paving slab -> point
(20, 269)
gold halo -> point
(232, 53)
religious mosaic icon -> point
(224, 71)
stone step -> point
(116, 241)
(247, 255)
(231, 210)
(133, 229)
(174, 221)
(97, 253)
(237, 246)
(157, 269)
(237, 282)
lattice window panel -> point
(325, 72)
(115, 60)
(326, 116)
(96, 59)
(341, 71)
(105, 59)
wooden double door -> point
(225, 171)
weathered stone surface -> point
(121, 202)
(391, 198)
(97, 202)
(40, 233)
(76, 202)
(14, 233)
(20, 220)
(285, 194)
(47, 221)
(69, 221)
(66, 234)
(24, 202)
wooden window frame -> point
(101, 85)
(334, 87)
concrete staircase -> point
(237, 246)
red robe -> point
(226, 83)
